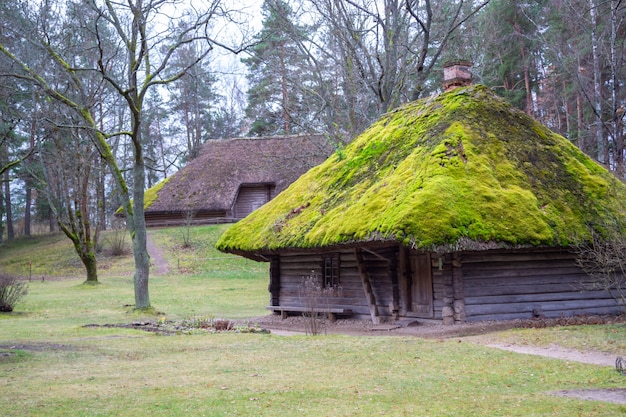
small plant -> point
(197, 322)
(116, 239)
(316, 300)
(188, 217)
(11, 292)
(201, 323)
(221, 325)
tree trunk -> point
(142, 259)
(84, 250)
(188, 129)
(285, 95)
(138, 228)
(580, 125)
(597, 80)
(1, 211)
(101, 200)
(52, 220)
(160, 136)
(7, 207)
(91, 267)
(27, 207)
(101, 176)
(568, 111)
(618, 112)
(29, 183)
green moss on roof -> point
(459, 170)
(152, 193)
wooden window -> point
(330, 271)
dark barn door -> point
(421, 290)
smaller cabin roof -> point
(210, 182)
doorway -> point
(421, 286)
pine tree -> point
(277, 74)
(511, 50)
(194, 100)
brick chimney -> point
(456, 74)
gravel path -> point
(157, 260)
(559, 352)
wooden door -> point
(250, 198)
(421, 286)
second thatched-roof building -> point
(231, 178)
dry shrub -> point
(604, 261)
(317, 303)
(11, 292)
(222, 325)
(116, 239)
(188, 219)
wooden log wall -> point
(295, 268)
(169, 219)
(466, 287)
(523, 285)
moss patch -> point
(152, 193)
(460, 167)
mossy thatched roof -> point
(210, 182)
(459, 171)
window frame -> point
(331, 276)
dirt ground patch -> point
(298, 325)
(617, 396)
(412, 327)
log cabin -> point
(453, 208)
(231, 178)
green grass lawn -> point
(51, 365)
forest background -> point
(102, 99)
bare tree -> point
(391, 47)
(604, 261)
(368, 57)
(68, 174)
(133, 44)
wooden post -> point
(447, 311)
(395, 286)
(459, 295)
(274, 286)
(406, 279)
(367, 286)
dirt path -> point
(617, 396)
(157, 260)
(559, 352)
